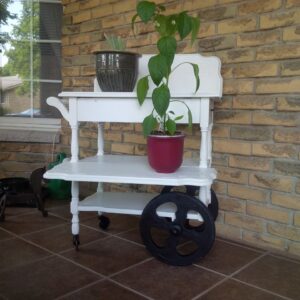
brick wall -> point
(19, 159)
(256, 135)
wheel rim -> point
(178, 236)
(191, 190)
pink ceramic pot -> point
(165, 152)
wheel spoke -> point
(170, 250)
(198, 237)
(158, 222)
(181, 214)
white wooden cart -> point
(170, 211)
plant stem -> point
(185, 62)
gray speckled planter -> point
(116, 70)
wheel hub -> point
(176, 230)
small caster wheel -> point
(180, 242)
(76, 241)
(104, 222)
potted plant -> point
(116, 69)
(165, 144)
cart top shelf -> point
(182, 81)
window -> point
(31, 59)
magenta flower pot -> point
(165, 153)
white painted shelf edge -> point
(127, 203)
(129, 169)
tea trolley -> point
(184, 220)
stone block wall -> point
(257, 123)
(19, 159)
(256, 134)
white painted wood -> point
(100, 139)
(129, 169)
(182, 80)
(115, 202)
(102, 107)
(204, 125)
(100, 143)
(128, 203)
(74, 207)
(128, 110)
(53, 101)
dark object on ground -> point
(23, 192)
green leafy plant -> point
(169, 27)
(115, 42)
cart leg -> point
(74, 211)
(203, 195)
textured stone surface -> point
(287, 168)
(258, 38)
(272, 182)
(256, 134)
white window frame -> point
(25, 125)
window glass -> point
(47, 60)
(16, 96)
(31, 54)
(49, 21)
(44, 90)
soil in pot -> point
(116, 71)
(165, 152)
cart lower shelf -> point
(128, 203)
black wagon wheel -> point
(193, 191)
(175, 241)
(2, 205)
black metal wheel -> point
(76, 241)
(214, 204)
(2, 205)
(104, 222)
(177, 241)
(194, 191)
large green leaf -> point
(178, 118)
(171, 25)
(196, 73)
(158, 68)
(190, 118)
(167, 47)
(146, 10)
(184, 24)
(195, 28)
(149, 124)
(171, 126)
(161, 99)
(142, 89)
(165, 25)
(161, 24)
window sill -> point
(15, 129)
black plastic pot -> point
(116, 70)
